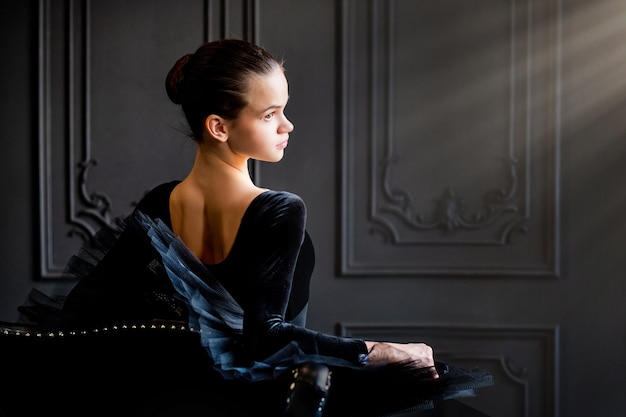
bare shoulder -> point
(185, 193)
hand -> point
(419, 354)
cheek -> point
(248, 141)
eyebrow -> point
(272, 107)
(275, 106)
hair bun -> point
(174, 79)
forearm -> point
(277, 334)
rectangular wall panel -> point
(450, 138)
(523, 360)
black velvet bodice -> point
(267, 272)
(249, 244)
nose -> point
(286, 126)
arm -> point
(276, 240)
(280, 234)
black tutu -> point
(219, 319)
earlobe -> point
(216, 128)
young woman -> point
(234, 260)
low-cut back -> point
(207, 225)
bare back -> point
(208, 222)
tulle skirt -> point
(356, 390)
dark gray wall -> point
(19, 153)
(462, 163)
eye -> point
(269, 116)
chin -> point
(277, 158)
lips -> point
(282, 145)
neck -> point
(210, 167)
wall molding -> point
(383, 223)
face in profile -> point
(262, 129)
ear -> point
(216, 127)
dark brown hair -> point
(215, 80)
